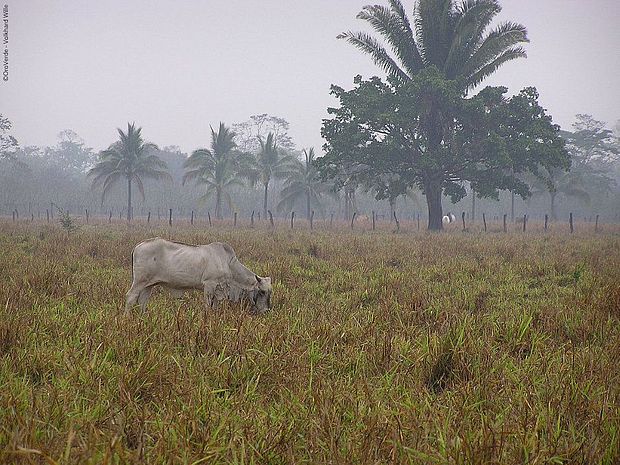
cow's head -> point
(261, 297)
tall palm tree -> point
(447, 34)
(218, 168)
(303, 182)
(129, 158)
(269, 163)
(453, 36)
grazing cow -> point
(213, 268)
(449, 218)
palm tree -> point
(130, 158)
(269, 163)
(218, 168)
(302, 181)
(454, 37)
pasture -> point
(452, 348)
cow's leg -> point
(144, 297)
(133, 295)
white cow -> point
(212, 268)
(449, 218)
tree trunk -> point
(473, 205)
(512, 207)
(308, 206)
(392, 209)
(432, 191)
(265, 200)
(128, 199)
(218, 203)
(553, 215)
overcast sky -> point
(176, 67)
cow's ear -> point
(257, 278)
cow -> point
(449, 218)
(212, 268)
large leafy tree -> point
(130, 158)
(8, 143)
(381, 129)
(218, 168)
(593, 149)
(444, 52)
(304, 183)
(71, 153)
(270, 162)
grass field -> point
(460, 348)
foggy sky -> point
(176, 67)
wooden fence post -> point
(505, 228)
(13, 215)
(191, 221)
(463, 219)
(148, 218)
(570, 222)
(331, 220)
(110, 217)
(373, 220)
(87, 216)
(524, 222)
(170, 218)
(484, 221)
(17, 214)
(32, 217)
(596, 224)
(418, 221)
(397, 222)
(292, 219)
(209, 216)
(252, 219)
(311, 220)
(47, 214)
(271, 219)
(235, 220)
(353, 219)
(546, 221)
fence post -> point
(373, 220)
(87, 216)
(235, 220)
(47, 214)
(418, 221)
(292, 219)
(148, 218)
(170, 218)
(252, 219)
(463, 219)
(546, 221)
(353, 219)
(209, 216)
(397, 222)
(191, 221)
(524, 222)
(312, 220)
(596, 224)
(271, 219)
(505, 228)
(484, 221)
(570, 222)
(331, 220)
(32, 217)
(17, 214)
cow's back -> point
(177, 265)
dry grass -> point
(454, 348)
